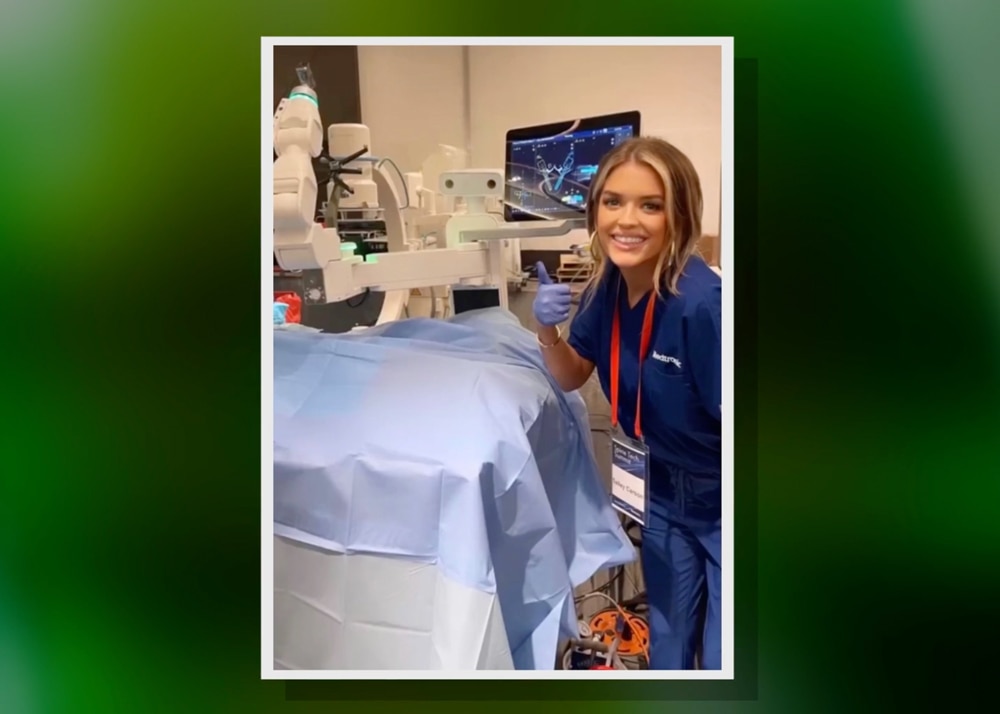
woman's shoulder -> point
(700, 288)
(697, 274)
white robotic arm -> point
(473, 238)
(300, 243)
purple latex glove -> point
(551, 306)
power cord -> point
(630, 619)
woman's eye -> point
(652, 207)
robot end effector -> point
(337, 168)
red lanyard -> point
(647, 332)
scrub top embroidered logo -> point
(666, 359)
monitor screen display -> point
(549, 168)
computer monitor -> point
(473, 297)
(549, 167)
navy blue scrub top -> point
(682, 373)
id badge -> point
(630, 477)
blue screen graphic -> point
(551, 176)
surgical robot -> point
(471, 252)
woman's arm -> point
(704, 333)
(570, 370)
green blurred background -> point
(869, 341)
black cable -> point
(402, 179)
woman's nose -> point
(628, 216)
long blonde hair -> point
(682, 204)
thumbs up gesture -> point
(551, 306)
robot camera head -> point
(472, 183)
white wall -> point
(413, 98)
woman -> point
(644, 216)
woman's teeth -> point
(628, 240)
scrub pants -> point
(681, 555)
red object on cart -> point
(294, 302)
